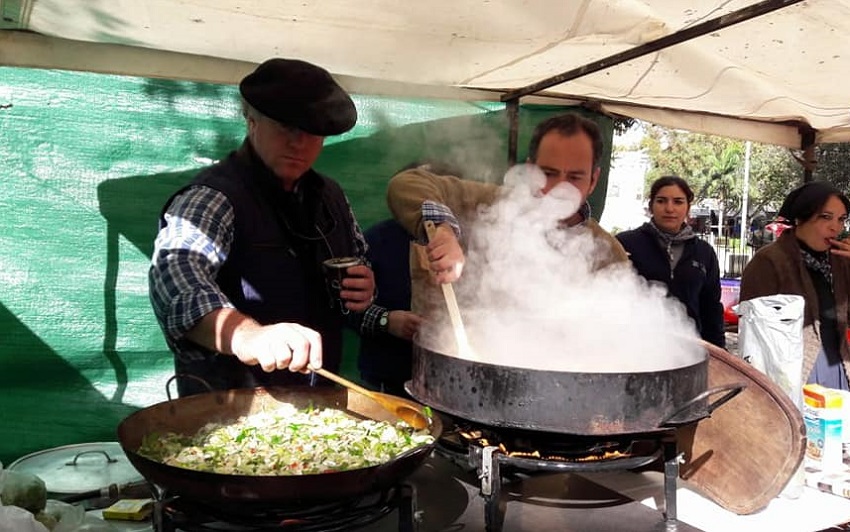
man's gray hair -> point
(248, 110)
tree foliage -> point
(773, 173)
(714, 167)
(833, 165)
(623, 124)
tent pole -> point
(513, 130)
(809, 161)
(680, 36)
(745, 197)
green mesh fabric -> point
(88, 161)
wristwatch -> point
(384, 321)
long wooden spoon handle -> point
(344, 382)
(451, 300)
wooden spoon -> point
(399, 407)
(464, 350)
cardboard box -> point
(129, 510)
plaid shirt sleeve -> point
(188, 252)
(369, 325)
(439, 214)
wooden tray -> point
(747, 451)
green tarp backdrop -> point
(87, 162)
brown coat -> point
(778, 269)
(410, 188)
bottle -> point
(823, 414)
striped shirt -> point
(189, 251)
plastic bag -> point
(72, 518)
(770, 337)
(23, 490)
(59, 516)
(13, 518)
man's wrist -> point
(371, 318)
(439, 214)
(384, 321)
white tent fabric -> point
(761, 79)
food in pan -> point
(287, 441)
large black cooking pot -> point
(564, 402)
(240, 493)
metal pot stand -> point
(494, 469)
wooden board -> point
(746, 452)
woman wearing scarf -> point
(809, 260)
(666, 250)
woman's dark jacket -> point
(695, 281)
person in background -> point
(236, 279)
(567, 148)
(665, 249)
(386, 342)
(807, 259)
(388, 327)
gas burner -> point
(500, 456)
(180, 514)
(575, 451)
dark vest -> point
(273, 272)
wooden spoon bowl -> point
(397, 406)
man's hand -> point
(445, 255)
(278, 346)
(358, 288)
(403, 324)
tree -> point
(707, 162)
(713, 166)
(833, 165)
(773, 173)
(722, 177)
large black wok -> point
(247, 493)
(564, 402)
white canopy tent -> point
(777, 78)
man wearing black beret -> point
(236, 280)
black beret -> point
(803, 202)
(299, 94)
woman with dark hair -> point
(809, 260)
(665, 249)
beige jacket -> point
(405, 195)
(778, 269)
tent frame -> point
(512, 98)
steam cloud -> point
(531, 295)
